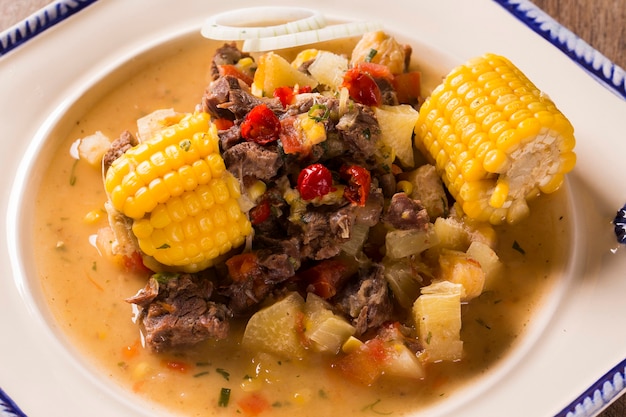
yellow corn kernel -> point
(183, 201)
(405, 187)
(93, 216)
(495, 139)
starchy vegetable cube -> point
(396, 128)
(328, 69)
(459, 268)
(401, 243)
(327, 331)
(452, 234)
(274, 71)
(437, 314)
(488, 260)
(277, 328)
(93, 147)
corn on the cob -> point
(495, 139)
(183, 202)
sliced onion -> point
(327, 33)
(255, 22)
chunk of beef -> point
(368, 300)
(249, 159)
(324, 230)
(229, 137)
(228, 54)
(230, 98)
(359, 131)
(118, 147)
(429, 190)
(176, 312)
(253, 277)
(405, 213)
(387, 91)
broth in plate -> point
(85, 292)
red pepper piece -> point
(362, 87)
(326, 277)
(261, 125)
(359, 181)
(260, 212)
(314, 181)
(232, 70)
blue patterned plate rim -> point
(38, 22)
(607, 388)
(597, 65)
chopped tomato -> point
(362, 87)
(134, 263)
(260, 125)
(235, 72)
(359, 181)
(314, 181)
(260, 212)
(408, 87)
(292, 139)
(223, 124)
(325, 278)
(243, 267)
(131, 351)
(375, 70)
(253, 404)
(286, 94)
(365, 364)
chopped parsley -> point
(370, 55)
(73, 173)
(518, 248)
(224, 397)
(319, 112)
(223, 373)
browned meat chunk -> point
(368, 301)
(176, 312)
(248, 159)
(118, 147)
(405, 213)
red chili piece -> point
(314, 181)
(362, 87)
(261, 125)
(260, 212)
(359, 181)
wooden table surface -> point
(601, 23)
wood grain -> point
(601, 23)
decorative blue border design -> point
(620, 225)
(602, 393)
(38, 22)
(8, 408)
(600, 67)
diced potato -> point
(396, 128)
(437, 314)
(92, 148)
(488, 260)
(401, 362)
(457, 267)
(452, 234)
(351, 345)
(327, 331)
(329, 69)
(274, 329)
(401, 243)
(274, 71)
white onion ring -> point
(247, 23)
(327, 33)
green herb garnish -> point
(224, 397)
(518, 248)
(370, 55)
(73, 173)
(319, 112)
(223, 373)
(185, 145)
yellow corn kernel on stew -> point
(309, 231)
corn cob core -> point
(183, 201)
(495, 139)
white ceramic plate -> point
(571, 361)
